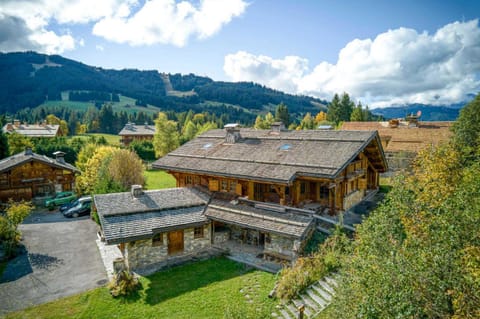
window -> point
(324, 192)
(157, 240)
(302, 188)
(224, 186)
(233, 186)
(268, 240)
(198, 232)
(188, 180)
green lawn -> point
(158, 179)
(216, 288)
(112, 139)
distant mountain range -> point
(428, 112)
(31, 79)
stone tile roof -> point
(33, 130)
(126, 218)
(404, 137)
(25, 157)
(270, 156)
(132, 129)
(153, 200)
(261, 218)
(129, 227)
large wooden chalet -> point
(27, 175)
(325, 170)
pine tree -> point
(281, 114)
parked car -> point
(60, 199)
(67, 206)
(80, 207)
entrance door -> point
(175, 242)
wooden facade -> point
(132, 132)
(31, 175)
(305, 188)
(340, 193)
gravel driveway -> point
(61, 259)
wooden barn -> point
(28, 175)
(328, 171)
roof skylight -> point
(207, 146)
(285, 147)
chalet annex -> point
(254, 188)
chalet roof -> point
(273, 156)
(28, 156)
(132, 129)
(32, 130)
(284, 223)
(404, 137)
(127, 218)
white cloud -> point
(168, 22)
(99, 47)
(25, 24)
(398, 66)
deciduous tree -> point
(166, 137)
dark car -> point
(80, 207)
(67, 206)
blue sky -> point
(381, 52)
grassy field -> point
(126, 104)
(158, 179)
(112, 139)
(216, 288)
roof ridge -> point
(250, 161)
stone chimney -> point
(16, 123)
(28, 151)
(60, 156)
(146, 124)
(277, 127)
(137, 191)
(233, 133)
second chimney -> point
(59, 156)
(137, 191)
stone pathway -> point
(315, 299)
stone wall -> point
(352, 199)
(142, 254)
(282, 245)
(221, 236)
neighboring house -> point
(327, 170)
(402, 140)
(132, 132)
(159, 228)
(28, 175)
(33, 130)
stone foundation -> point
(353, 199)
(141, 254)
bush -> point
(9, 234)
(123, 283)
(309, 269)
